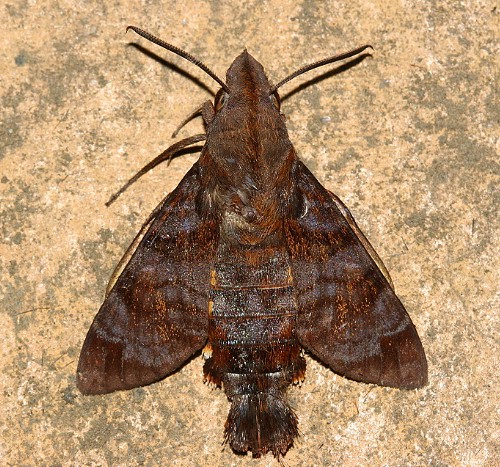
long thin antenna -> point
(325, 61)
(181, 53)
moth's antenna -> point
(179, 52)
(325, 61)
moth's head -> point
(246, 73)
(247, 82)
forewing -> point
(349, 316)
(155, 316)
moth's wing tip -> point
(403, 360)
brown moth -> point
(251, 259)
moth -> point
(252, 260)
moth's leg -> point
(206, 110)
(165, 155)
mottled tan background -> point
(408, 139)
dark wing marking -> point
(349, 316)
(361, 237)
(156, 315)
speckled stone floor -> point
(407, 138)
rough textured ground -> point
(408, 139)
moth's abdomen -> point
(253, 352)
(252, 332)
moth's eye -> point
(275, 99)
(220, 100)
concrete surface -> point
(407, 138)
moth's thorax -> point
(248, 133)
(250, 157)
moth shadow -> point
(336, 71)
(171, 66)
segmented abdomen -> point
(252, 349)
